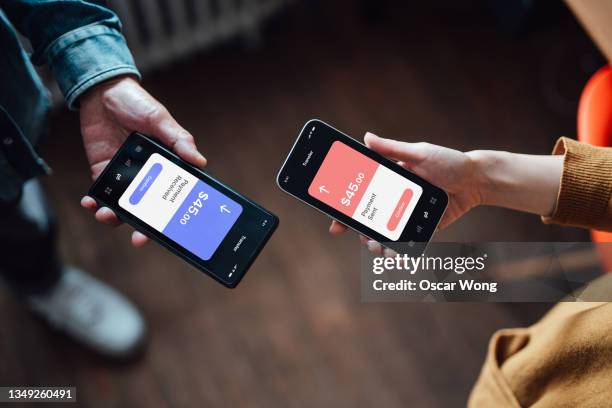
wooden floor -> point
(295, 333)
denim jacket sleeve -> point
(80, 41)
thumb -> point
(163, 126)
(409, 153)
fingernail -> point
(389, 253)
(373, 246)
(88, 202)
(370, 134)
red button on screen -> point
(399, 210)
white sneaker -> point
(92, 313)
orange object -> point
(595, 128)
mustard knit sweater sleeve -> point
(585, 196)
(564, 360)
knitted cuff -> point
(586, 184)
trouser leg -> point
(29, 262)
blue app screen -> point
(181, 206)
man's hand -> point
(449, 169)
(112, 110)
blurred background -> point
(243, 77)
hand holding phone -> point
(448, 168)
(107, 112)
(200, 219)
(362, 189)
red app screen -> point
(365, 190)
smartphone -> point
(361, 189)
(198, 218)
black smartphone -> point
(200, 219)
(360, 188)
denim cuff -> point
(85, 57)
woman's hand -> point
(522, 182)
(446, 168)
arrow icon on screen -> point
(223, 208)
(323, 190)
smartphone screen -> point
(365, 191)
(199, 218)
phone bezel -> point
(166, 242)
(399, 245)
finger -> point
(363, 239)
(389, 253)
(89, 203)
(186, 148)
(106, 216)
(336, 228)
(139, 239)
(374, 247)
(446, 220)
(409, 153)
(98, 168)
(160, 124)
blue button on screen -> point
(146, 182)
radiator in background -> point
(160, 32)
